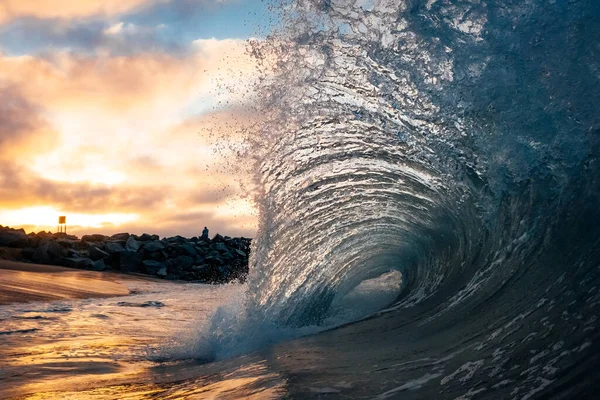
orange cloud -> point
(147, 135)
(121, 83)
(66, 9)
(23, 130)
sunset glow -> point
(131, 130)
(46, 218)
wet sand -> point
(20, 282)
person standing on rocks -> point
(205, 233)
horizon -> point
(125, 116)
(212, 234)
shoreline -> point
(25, 282)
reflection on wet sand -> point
(107, 348)
(21, 282)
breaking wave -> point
(425, 160)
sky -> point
(122, 114)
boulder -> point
(49, 253)
(120, 236)
(113, 247)
(27, 253)
(13, 238)
(177, 239)
(240, 253)
(222, 247)
(153, 246)
(162, 272)
(218, 238)
(129, 261)
(179, 263)
(74, 253)
(185, 249)
(132, 244)
(154, 267)
(61, 235)
(155, 256)
(97, 254)
(12, 254)
(214, 260)
(99, 265)
(147, 237)
(93, 238)
(67, 243)
(78, 262)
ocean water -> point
(427, 175)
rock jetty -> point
(218, 260)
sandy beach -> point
(20, 282)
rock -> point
(177, 239)
(147, 238)
(99, 265)
(218, 238)
(156, 256)
(113, 247)
(27, 253)
(67, 243)
(200, 268)
(93, 238)
(12, 254)
(227, 256)
(78, 262)
(129, 261)
(49, 253)
(222, 247)
(61, 235)
(240, 253)
(153, 246)
(132, 244)
(13, 238)
(156, 304)
(75, 254)
(120, 236)
(97, 254)
(185, 249)
(214, 260)
(154, 267)
(179, 263)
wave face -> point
(454, 143)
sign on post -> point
(62, 224)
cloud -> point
(23, 130)
(126, 28)
(36, 36)
(152, 135)
(21, 188)
(10, 9)
(121, 83)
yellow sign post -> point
(62, 224)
